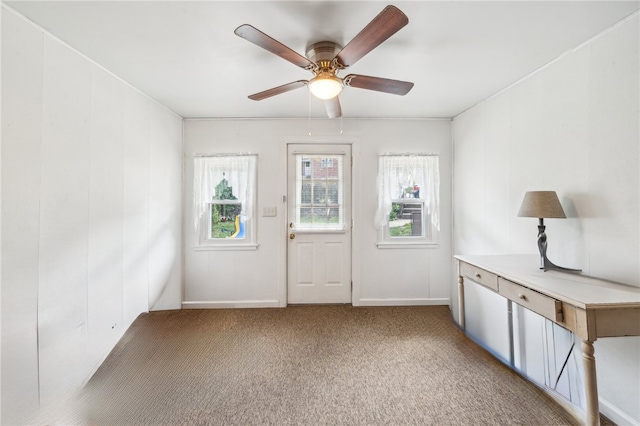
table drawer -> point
(546, 306)
(479, 275)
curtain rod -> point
(235, 154)
(408, 154)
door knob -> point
(292, 236)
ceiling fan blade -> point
(383, 26)
(260, 39)
(395, 87)
(334, 110)
(278, 90)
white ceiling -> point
(186, 56)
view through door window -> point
(319, 191)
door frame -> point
(356, 260)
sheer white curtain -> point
(398, 172)
(238, 170)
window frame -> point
(429, 237)
(204, 241)
(386, 240)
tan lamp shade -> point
(541, 204)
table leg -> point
(590, 383)
(461, 302)
(512, 356)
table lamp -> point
(543, 204)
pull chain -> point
(309, 109)
(341, 115)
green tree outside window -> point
(223, 214)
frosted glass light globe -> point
(325, 86)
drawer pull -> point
(478, 276)
(522, 297)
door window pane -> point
(305, 193)
(319, 194)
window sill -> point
(225, 247)
(407, 245)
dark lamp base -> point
(545, 263)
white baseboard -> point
(401, 302)
(614, 414)
(231, 304)
(276, 303)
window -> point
(319, 192)
(224, 200)
(408, 200)
(326, 162)
(306, 168)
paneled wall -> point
(258, 278)
(91, 231)
(572, 127)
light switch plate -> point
(268, 211)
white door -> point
(319, 218)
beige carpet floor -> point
(307, 365)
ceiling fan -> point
(326, 59)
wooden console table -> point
(588, 307)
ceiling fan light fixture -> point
(325, 59)
(325, 86)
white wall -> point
(91, 223)
(571, 127)
(258, 278)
